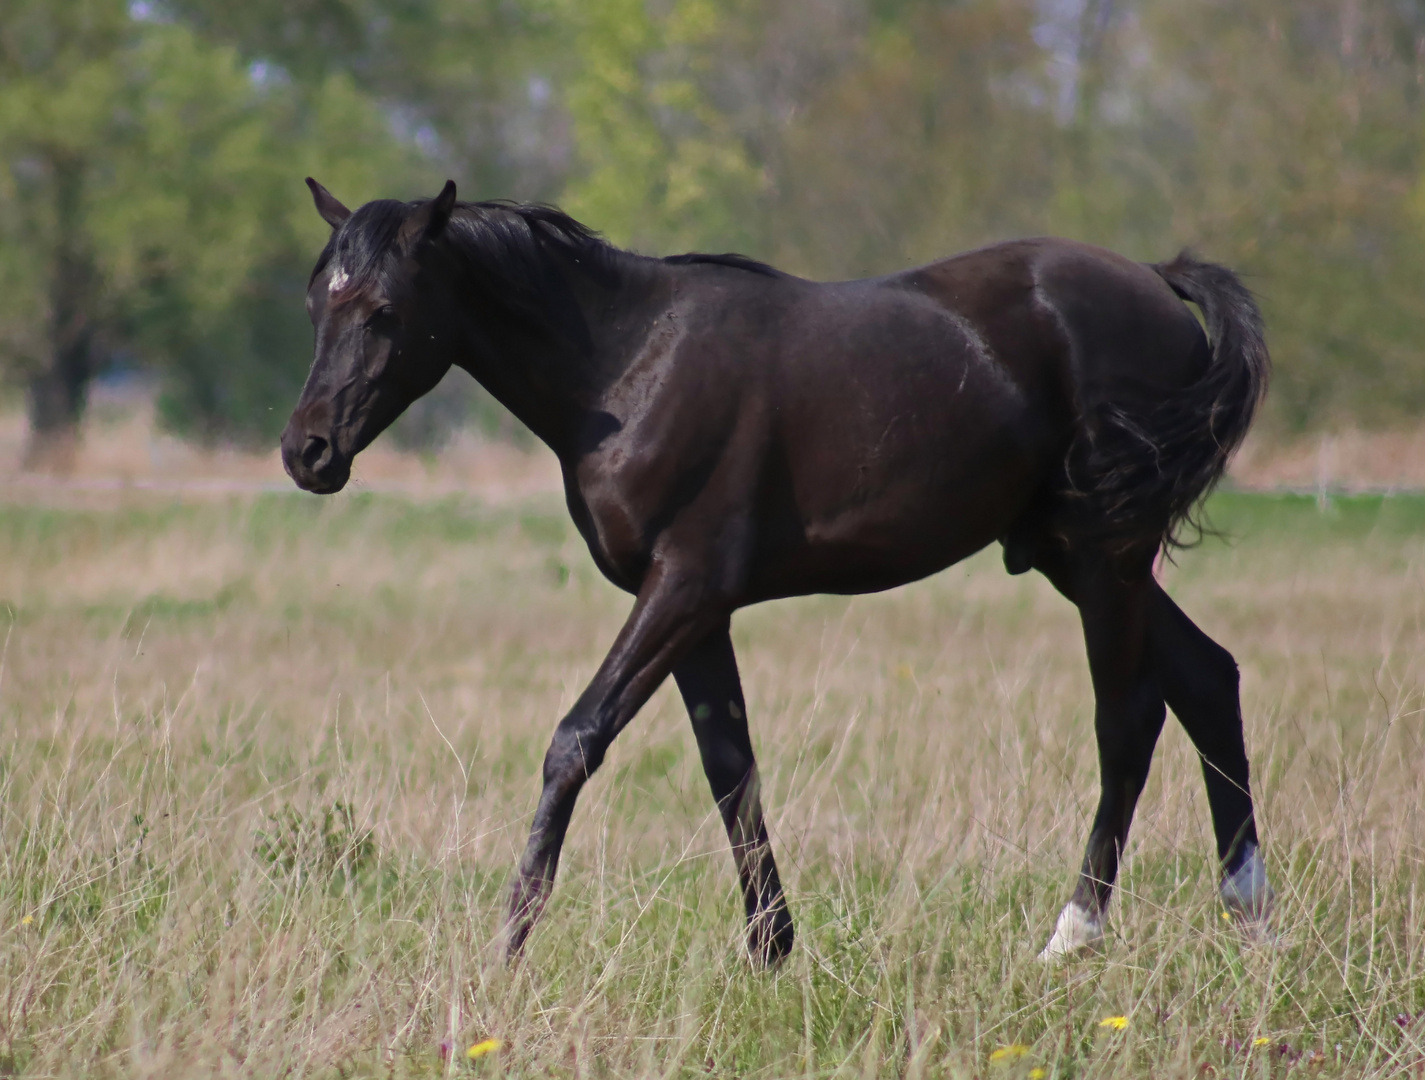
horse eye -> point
(383, 318)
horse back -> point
(1087, 321)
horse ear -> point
(333, 213)
(429, 219)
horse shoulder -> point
(680, 437)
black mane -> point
(727, 258)
(499, 241)
(554, 224)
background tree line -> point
(152, 211)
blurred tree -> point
(932, 135)
(57, 117)
(150, 197)
(473, 82)
(661, 166)
(1287, 138)
(217, 232)
(152, 201)
(1284, 138)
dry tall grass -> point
(266, 763)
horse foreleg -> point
(671, 614)
(1128, 717)
(707, 679)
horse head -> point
(379, 334)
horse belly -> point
(916, 482)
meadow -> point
(266, 762)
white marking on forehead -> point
(338, 279)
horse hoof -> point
(1257, 933)
(1077, 932)
(1253, 930)
(516, 931)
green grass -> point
(266, 765)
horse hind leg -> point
(1128, 717)
(1199, 679)
(712, 691)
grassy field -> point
(266, 763)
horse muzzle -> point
(312, 459)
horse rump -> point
(1137, 475)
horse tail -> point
(1144, 471)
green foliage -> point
(844, 139)
(1286, 140)
(472, 81)
(151, 159)
(58, 86)
(932, 134)
(221, 293)
(661, 165)
(191, 205)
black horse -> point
(730, 434)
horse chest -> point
(612, 527)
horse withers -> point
(730, 434)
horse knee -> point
(572, 757)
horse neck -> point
(550, 369)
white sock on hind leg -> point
(1078, 930)
(1246, 893)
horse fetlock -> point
(1077, 931)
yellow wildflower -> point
(485, 1046)
(1010, 1053)
(27, 920)
(1116, 1023)
(1226, 916)
(1263, 1041)
(1037, 1073)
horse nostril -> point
(316, 453)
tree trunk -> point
(58, 391)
